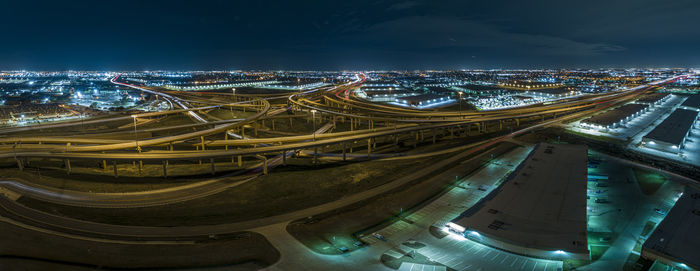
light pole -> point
(233, 97)
(313, 119)
(136, 135)
(460, 101)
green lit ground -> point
(649, 181)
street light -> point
(460, 101)
(313, 119)
(136, 135)
(233, 93)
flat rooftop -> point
(652, 98)
(674, 128)
(421, 98)
(542, 205)
(475, 87)
(554, 91)
(382, 91)
(692, 101)
(616, 115)
(677, 236)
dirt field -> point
(40, 251)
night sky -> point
(306, 35)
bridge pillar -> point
(226, 138)
(315, 155)
(20, 164)
(500, 124)
(68, 168)
(213, 166)
(284, 158)
(165, 169)
(114, 166)
(434, 135)
(415, 142)
(265, 165)
(344, 155)
(369, 147)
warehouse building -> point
(539, 211)
(692, 103)
(616, 117)
(671, 134)
(676, 241)
(423, 100)
(654, 99)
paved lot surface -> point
(626, 211)
(420, 267)
(464, 254)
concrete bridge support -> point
(165, 168)
(369, 147)
(265, 165)
(344, 155)
(434, 135)
(315, 155)
(68, 168)
(20, 164)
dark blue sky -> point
(410, 34)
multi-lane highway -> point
(395, 122)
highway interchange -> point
(207, 139)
